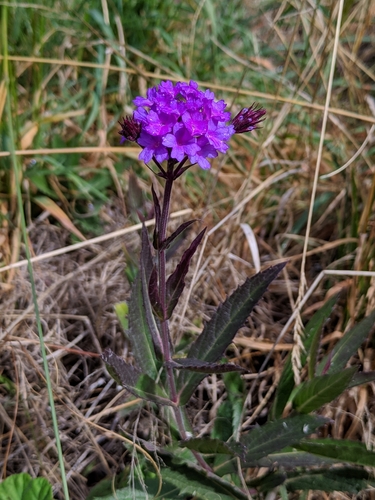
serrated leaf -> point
(346, 479)
(196, 365)
(153, 293)
(311, 334)
(176, 281)
(139, 384)
(24, 487)
(170, 240)
(340, 450)
(320, 390)
(347, 346)
(193, 484)
(143, 332)
(208, 446)
(223, 326)
(276, 435)
(268, 481)
(139, 332)
(293, 459)
(126, 494)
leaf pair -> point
(219, 332)
(329, 379)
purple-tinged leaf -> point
(347, 346)
(123, 373)
(219, 332)
(153, 292)
(139, 384)
(176, 281)
(168, 242)
(146, 269)
(157, 210)
(196, 365)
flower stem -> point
(179, 412)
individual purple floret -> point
(179, 122)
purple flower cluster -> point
(175, 122)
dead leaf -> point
(51, 207)
(28, 137)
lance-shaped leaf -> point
(139, 332)
(310, 343)
(196, 365)
(209, 446)
(157, 210)
(146, 269)
(219, 332)
(141, 385)
(168, 242)
(153, 293)
(176, 281)
(347, 346)
(315, 393)
(275, 436)
(290, 459)
(341, 450)
(348, 479)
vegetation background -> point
(69, 72)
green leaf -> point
(223, 326)
(340, 450)
(192, 484)
(126, 494)
(196, 365)
(311, 335)
(362, 378)
(268, 481)
(345, 479)
(315, 393)
(23, 487)
(274, 436)
(139, 333)
(143, 331)
(293, 459)
(141, 385)
(122, 311)
(347, 346)
(146, 268)
(207, 445)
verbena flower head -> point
(177, 122)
